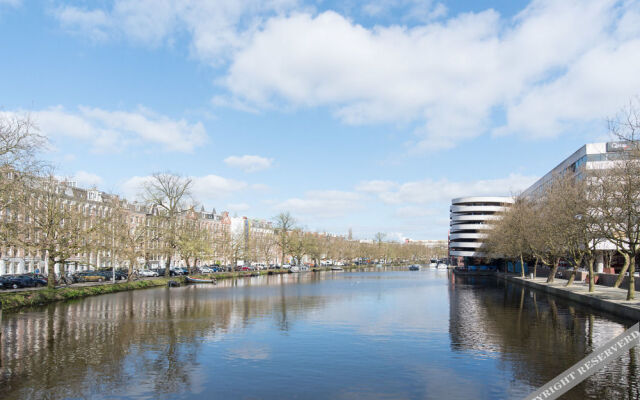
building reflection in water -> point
(87, 343)
(392, 333)
(537, 336)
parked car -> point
(121, 274)
(21, 281)
(89, 276)
(286, 266)
(161, 271)
(206, 270)
(37, 276)
(179, 271)
(147, 272)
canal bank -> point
(608, 299)
(14, 301)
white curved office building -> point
(470, 217)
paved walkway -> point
(605, 298)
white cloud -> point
(260, 187)
(322, 204)
(132, 188)
(207, 189)
(554, 65)
(114, 130)
(442, 191)
(413, 212)
(217, 28)
(419, 10)
(87, 179)
(94, 23)
(12, 3)
(375, 186)
(447, 78)
(238, 206)
(249, 163)
(210, 188)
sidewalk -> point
(604, 298)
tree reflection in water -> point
(366, 335)
(547, 335)
(98, 344)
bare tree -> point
(56, 224)
(510, 236)
(314, 243)
(298, 245)
(169, 193)
(222, 245)
(553, 215)
(616, 194)
(265, 245)
(236, 248)
(20, 142)
(284, 223)
(379, 239)
(125, 234)
(194, 241)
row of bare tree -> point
(54, 221)
(579, 212)
(300, 244)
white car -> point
(147, 272)
(206, 270)
(286, 266)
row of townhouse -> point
(95, 203)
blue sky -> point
(368, 115)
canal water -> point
(332, 335)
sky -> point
(369, 115)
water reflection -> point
(311, 335)
(537, 336)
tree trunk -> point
(521, 266)
(51, 272)
(167, 267)
(130, 270)
(62, 270)
(552, 273)
(535, 268)
(575, 270)
(623, 270)
(592, 279)
(631, 292)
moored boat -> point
(199, 280)
(336, 269)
